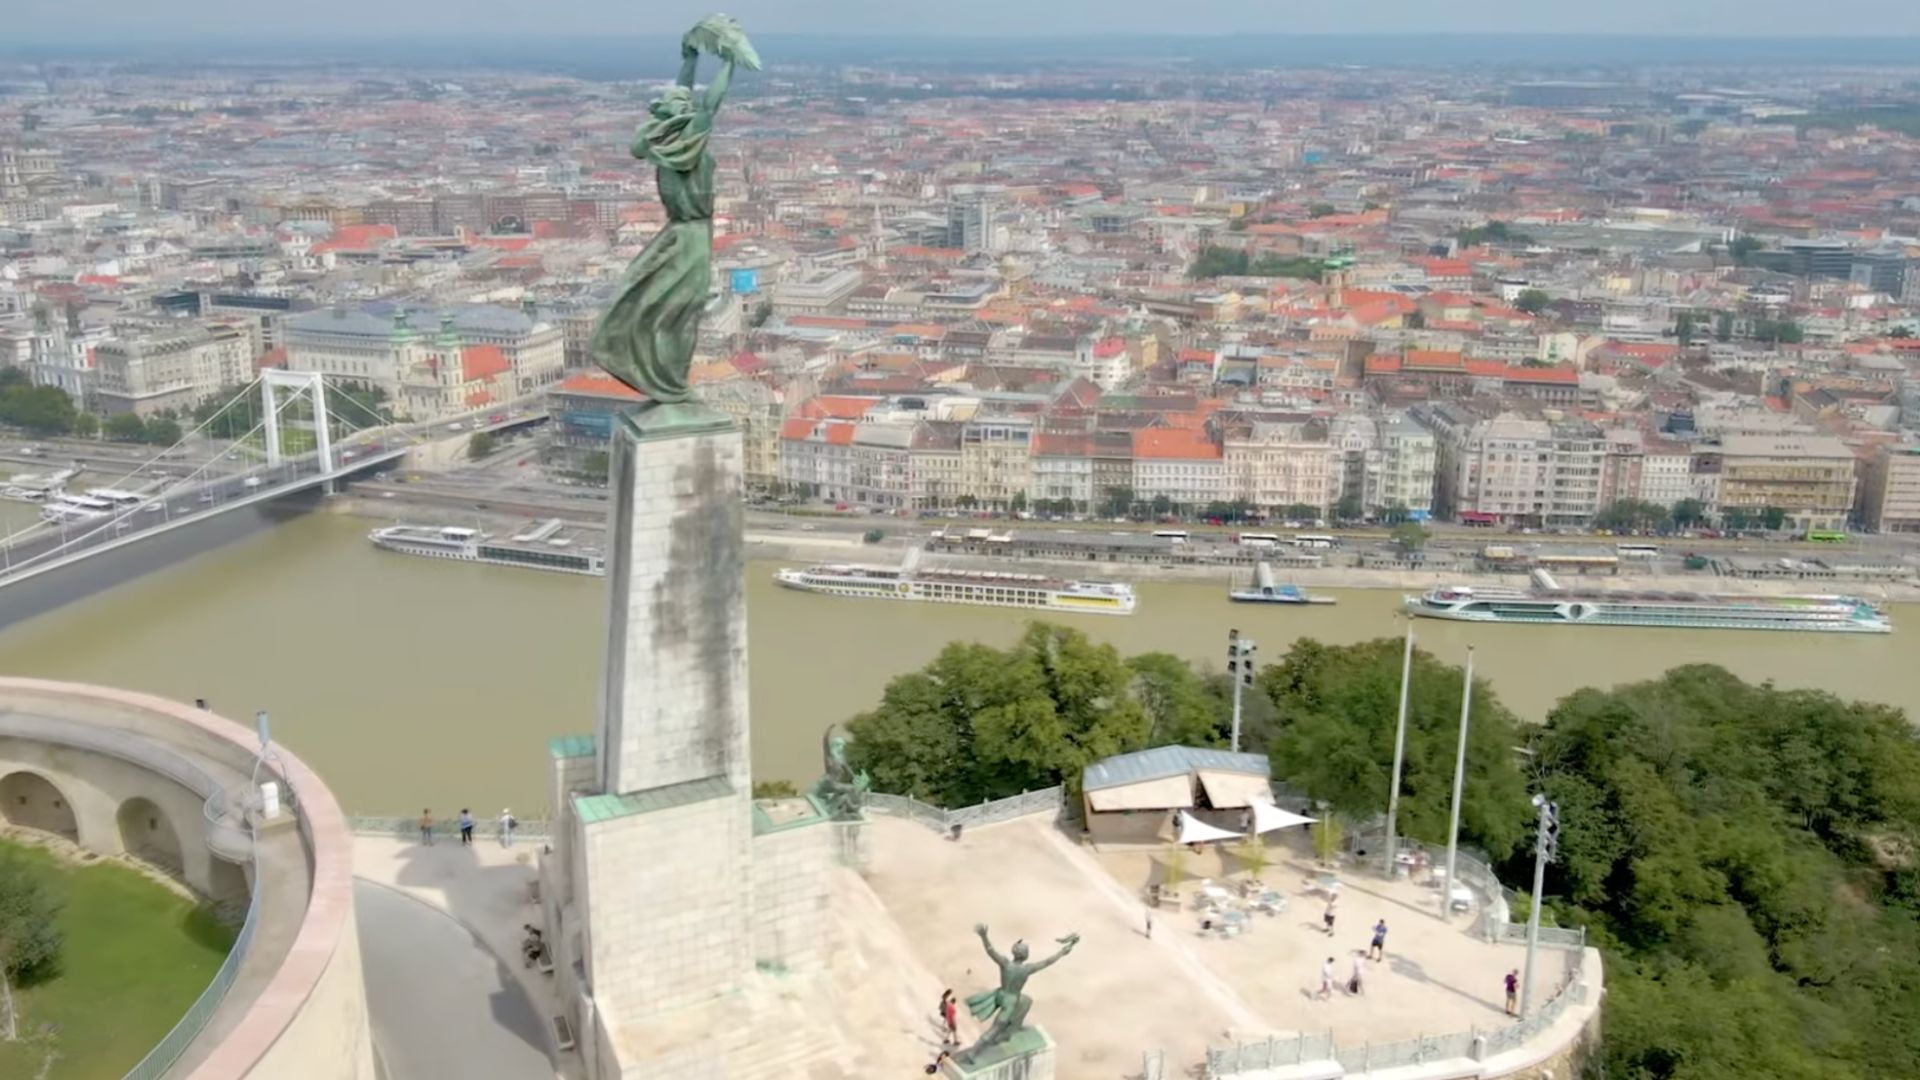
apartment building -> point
(1810, 477)
(755, 409)
(1536, 472)
(1355, 439)
(937, 478)
(1404, 479)
(1182, 464)
(1061, 467)
(1890, 490)
(994, 458)
(1275, 464)
(150, 370)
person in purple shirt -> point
(1513, 992)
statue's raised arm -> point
(646, 337)
(1066, 946)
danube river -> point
(410, 682)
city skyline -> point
(132, 23)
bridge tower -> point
(311, 385)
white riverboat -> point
(548, 552)
(1686, 610)
(991, 588)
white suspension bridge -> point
(306, 434)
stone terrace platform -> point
(1121, 994)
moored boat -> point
(1684, 610)
(990, 588)
(1265, 590)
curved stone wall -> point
(120, 772)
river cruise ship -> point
(530, 550)
(1686, 610)
(992, 588)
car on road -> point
(253, 482)
(497, 418)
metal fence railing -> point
(1046, 800)
(1225, 1063)
(168, 1050)
(408, 828)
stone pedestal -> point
(674, 705)
(1029, 1055)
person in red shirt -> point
(950, 1013)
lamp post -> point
(1239, 669)
(1459, 777)
(1399, 752)
(1546, 844)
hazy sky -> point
(133, 20)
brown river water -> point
(412, 682)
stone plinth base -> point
(1027, 1056)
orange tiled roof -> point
(1178, 444)
(479, 362)
(591, 382)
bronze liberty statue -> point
(1008, 1003)
(647, 335)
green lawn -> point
(135, 957)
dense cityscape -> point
(1515, 302)
(1363, 354)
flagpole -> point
(1399, 753)
(1459, 777)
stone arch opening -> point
(31, 801)
(148, 835)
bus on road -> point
(1826, 536)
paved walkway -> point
(482, 894)
(440, 1003)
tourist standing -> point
(1378, 950)
(426, 827)
(466, 827)
(507, 825)
(1326, 980)
(1513, 992)
(1354, 981)
(1328, 917)
(950, 1015)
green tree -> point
(1117, 502)
(1215, 262)
(86, 425)
(1416, 320)
(1320, 210)
(1181, 711)
(1533, 301)
(1778, 331)
(1019, 502)
(595, 464)
(1410, 536)
(984, 723)
(1493, 232)
(43, 410)
(1349, 507)
(775, 789)
(126, 427)
(1732, 848)
(1773, 518)
(1161, 505)
(1335, 709)
(1737, 518)
(162, 431)
(481, 445)
(1742, 249)
(29, 935)
(1687, 513)
(1300, 512)
(1723, 327)
(1683, 327)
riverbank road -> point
(440, 931)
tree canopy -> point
(982, 723)
(29, 934)
(1747, 856)
(1336, 706)
(1215, 262)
